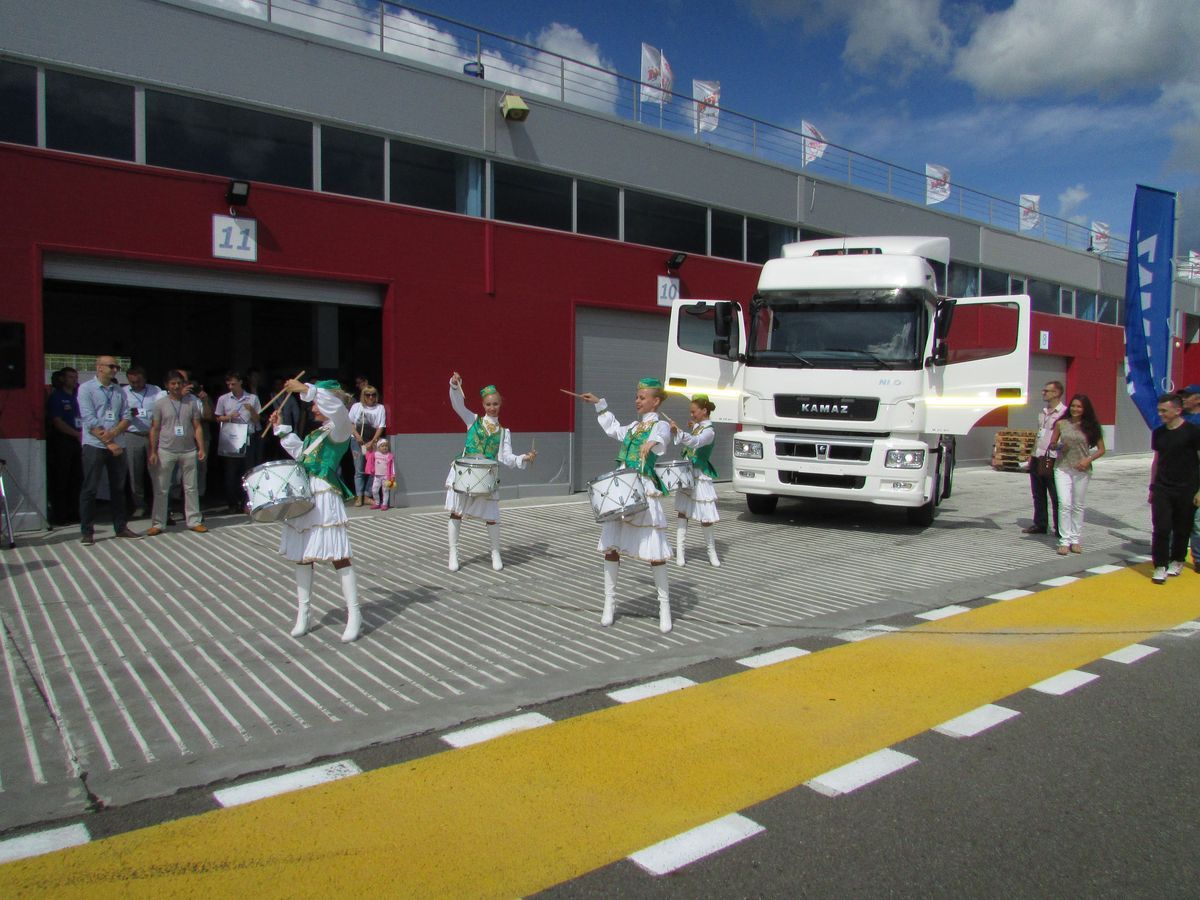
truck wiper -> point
(799, 358)
(877, 359)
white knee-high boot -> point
(304, 576)
(711, 540)
(353, 613)
(680, 538)
(611, 570)
(664, 598)
(454, 528)
(494, 534)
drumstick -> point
(281, 393)
(572, 393)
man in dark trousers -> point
(1042, 486)
(1174, 487)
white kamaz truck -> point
(849, 374)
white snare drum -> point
(277, 490)
(675, 475)
(617, 494)
(476, 476)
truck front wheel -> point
(762, 504)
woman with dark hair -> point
(1080, 442)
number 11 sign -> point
(235, 238)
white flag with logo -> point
(652, 74)
(937, 183)
(1031, 214)
(707, 104)
(1193, 266)
(812, 141)
(1100, 237)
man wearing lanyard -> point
(239, 414)
(140, 397)
(176, 438)
(105, 416)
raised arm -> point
(458, 402)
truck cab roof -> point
(936, 249)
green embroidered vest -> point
(481, 442)
(325, 461)
(700, 457)
(630, 455)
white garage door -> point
(612, 351)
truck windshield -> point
(850, 329)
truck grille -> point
(837, 409)
(811, 479)
(815, 448)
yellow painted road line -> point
(518, 814)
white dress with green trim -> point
(644, 535)
(320, 534)
(485, 437)
(700, 503)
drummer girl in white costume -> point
(700, 503)
(320, 534)
(485, 437)
(643, 535)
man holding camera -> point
(1042, 484)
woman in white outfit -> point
(1080, 442)
(700, 503)
(320, 534)
(642, 535)
(485, 437)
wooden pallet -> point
(1012, 449)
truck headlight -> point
(747, 449)
(905, 459)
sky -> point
(1077, 101)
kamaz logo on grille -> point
(827, 409)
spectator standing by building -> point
(369, 419)
(176, 438)
(105, 416)
(140, 396)
(64, 473)
(1079, 442)
(1041, 480)
(1191, 413)
(239, 413)
(195, 393)
(1174, 487)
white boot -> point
(353, 613)
(304, 576)
(664, 598)
(455, 527)
(680, 537)
(611, 570)
(711, 539)
(494, 534)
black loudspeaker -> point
(12, 355)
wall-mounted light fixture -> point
(514, 108)
(676, 260)
(473, 68)
(237, 194)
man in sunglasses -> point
(105, 414)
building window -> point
(765, 240)
(727, 237)
(436, 179)
(1108, 310)
(530, 197)
(1066, 302)
(1085, 305)
(1043, 296)
(964, 280)
(660, 222)
(598, 209)
(1016, 285)
(351, 163)
(18, 103)
(86, 115)
(992, 283)
(203, 136)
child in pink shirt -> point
(381, 466)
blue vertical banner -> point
(1148, 279)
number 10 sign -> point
(235, 238)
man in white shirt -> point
(140, 396)
(239, 413)
(1042, 486)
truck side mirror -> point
(721, 347)
(940, 354)
(722, 323)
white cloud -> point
(897, 35)
(1080, 46)
(1069, 202)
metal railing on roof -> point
(414, 34)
